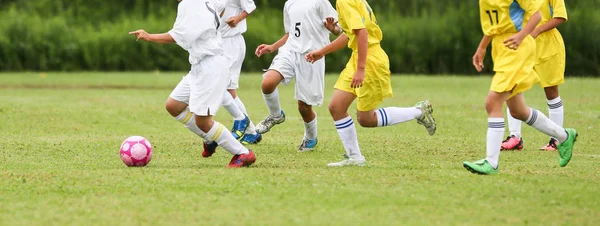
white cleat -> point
(348, 162)
(426, 118)
(266, 125)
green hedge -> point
(420, 36)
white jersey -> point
(234, 8)
(195, 29)
(303, 21)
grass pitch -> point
(59, 161)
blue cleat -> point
(307, 145)
(239, 127)
(251, 138)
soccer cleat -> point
(209, 149)
(565, 149)
(512, 143)
(243, 160)
(266, 125)
(348, 162)
(426, 118)
(251, 138)
(482, 167)
(551, 146)
(239, 127)
(307, 145)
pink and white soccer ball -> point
(136, 151)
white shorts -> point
(202, 89)
(310, 78)
(235, 50)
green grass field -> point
(59, 161)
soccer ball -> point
(136, 151)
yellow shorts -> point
(514, 68)
(377, 84)
(550, 64)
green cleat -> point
(426, 118)
(482, 167)
(565, 149)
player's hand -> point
(232, 21)
(514, 41)
(358, 78)
(330, 24)
(141, 34)
(264, 49)
(478, 59)
(314, 56)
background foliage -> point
(420, 36)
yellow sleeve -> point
(530, 6)
(559, 9)
(350, 11)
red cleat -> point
(209, 149)
(551, 146)
(243, 160)
(512, 143)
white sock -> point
(556, 111)
(494, 140)
(250, 129)
(542, 123)
(223, 137)
(347, 132)
(231, 106)
(272, 101)
(188, 120)
(310, 130)
(514, 125)
(394, 115)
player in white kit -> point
(308, 24)
(232, 28)
(200, 93)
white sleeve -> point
(188, 26)
(286, 19)
(248, 5)
(327, 10)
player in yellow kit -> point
(507, 25)
(366, 76)
(550, 66)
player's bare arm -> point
(363, 47)
(268, 49)
(480, 53)
(553, 23)
(332, 26)
(339, 43)
(235, 20)
(164, 38)
(514, 41)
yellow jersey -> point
(506, 16)
(355, 15)
(553, 9)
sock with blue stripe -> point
(225, 139)
(394, 115)
(494, 140)
(347, 132)
(542, 123)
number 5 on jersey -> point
(297, 28)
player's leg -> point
(205, 99)
(177, 106)
(250, 136)
(422, 112)
(536, 119)
(495, 132)
(309, 116)
(240, 120)
(514, 141)
(280, 71)
(338, 107)
(556, 112)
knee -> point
(304, 108)
(492, 107)
(520, 114)
(366, 120)
(334, 109)
(173, 108)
